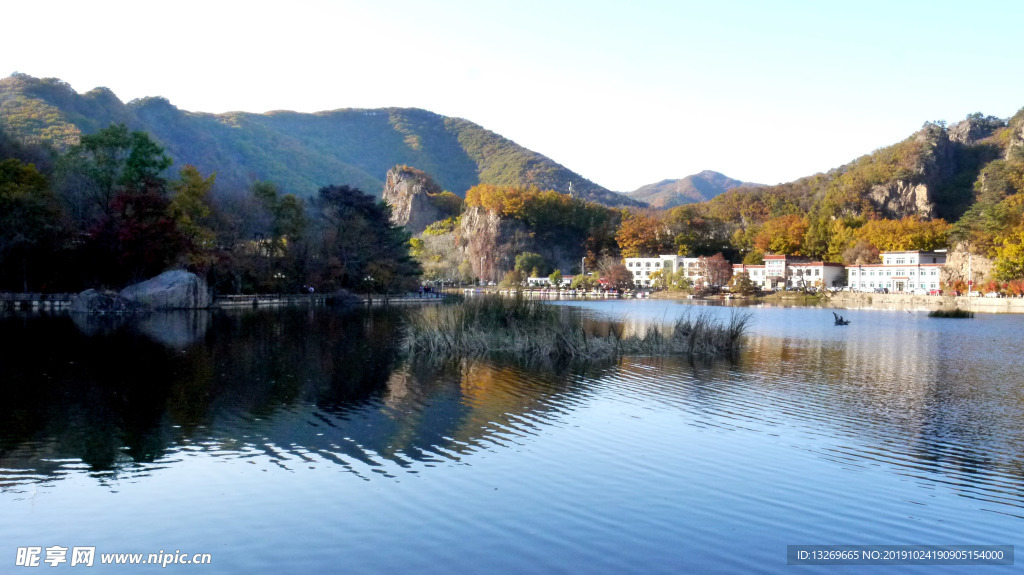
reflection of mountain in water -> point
(282, 382)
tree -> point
(113, 183)
(715, 270)
(754, 258)
(696, 234)
(528, 261)
(861, 253)
(555, 278)
(614, 273)
(676, 281)
(438, 255)
(583, 282)
(512, 279)
(137, 240)
(1010, 256)
(30, 220)
(910, 233)
(466, 272)
(283, 254)
(358, 247)
(783, 235)
(743, 285)
(190, 208)
(111, 162)
(642, 235)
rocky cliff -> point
(491, 243)
(936, 162)
(960, 260)
(408, 191)
(974, 129)
(901, 198)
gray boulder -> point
(103, 302)
(176, 289)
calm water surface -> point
(301, 441)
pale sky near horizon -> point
(625, 93)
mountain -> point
(937, 172)
(300, 152)
(689, 190)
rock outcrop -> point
(491, 243)
(408, 190)
(900, 198)
(960, 260)
(1016, 137)
(175, 289)
(974, 128)
(914, 195)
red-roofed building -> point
(779, 272)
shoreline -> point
(859, 300)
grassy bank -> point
(493, 324)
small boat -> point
(840, 320)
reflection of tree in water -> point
(65, 394)
(104, 392)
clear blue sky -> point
(625, 93)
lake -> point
(300, 440)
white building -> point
(899, 272)
(642, 268)
(780, 272)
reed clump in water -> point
(956, 313)
(494, 324)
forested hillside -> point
(959, 187)
(299, 152)
(85, 202)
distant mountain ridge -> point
(692, 189)
(298, 151)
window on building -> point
(647, 264)
(657, 264)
